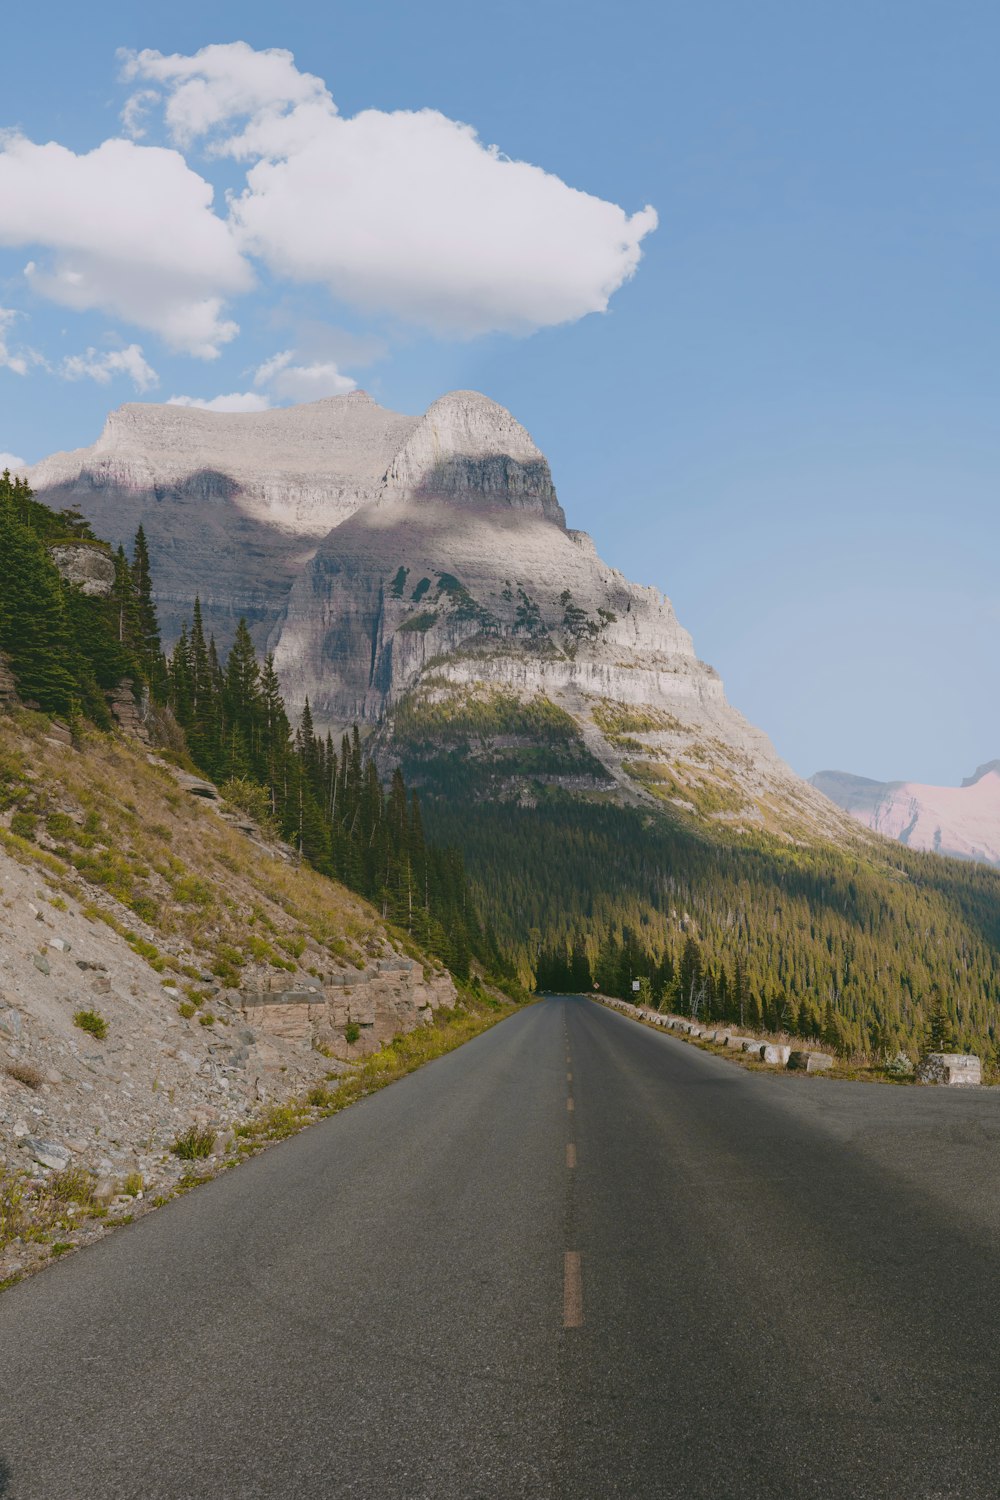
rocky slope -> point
(960, 821)
(221, 978)
(394, 561)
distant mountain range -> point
(963, 821)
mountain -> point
(960, 821)
(233, 504)
(618, 819)
(403, 567)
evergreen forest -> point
(870, 949)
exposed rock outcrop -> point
(87, 565)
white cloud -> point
(13, 463)
(237, 401)
(220, 83)
(137, 107)
(101, 367)
(8, 359)
(130, 230)
(405, 213)
(302, 382)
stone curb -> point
(951, 1070)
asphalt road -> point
(575, 1258)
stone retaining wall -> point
(390, 997)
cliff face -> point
(392, 561)
(962, 821)
(233, 504)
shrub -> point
(133, 1184)
(73, 1185)
(146, 908)
(352, 1032)
(23, 825)
(186, 1009)
(89, 1020)
(193, 1143)
(251, 798)
(24, 1073)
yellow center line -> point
(569, 1104)
(571, 1155)
(572, 1290)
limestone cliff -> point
(388, 559)
(233, 504)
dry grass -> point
(23, 1072)
(163, 870)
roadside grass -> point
(34, 1211)
(406, 1053)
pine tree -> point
(34, 630)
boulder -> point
(10, 1022)
(86, 564)
(735, 1042)
(771, 1052)
(810, 1062)
(953, 1069)
(46, 1153)
(751, 1045)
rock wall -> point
(390, 997)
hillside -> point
(225, 976)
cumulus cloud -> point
(302, 382)
(406, 213)
(221, 83)
(237, 401)
(102, 367)
(13, 463)
(128, 229)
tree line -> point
(325, 798)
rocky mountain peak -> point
(381, 555)
(989, 768)
(469, 449)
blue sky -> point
(787, 418)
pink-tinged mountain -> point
(962, 821)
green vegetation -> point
(67, 651)
(90, 1021)
(841, 946)
(623, 718)
(421, 622)
(473, 743)
(326, 800)
(194, 1143)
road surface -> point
(575, 1258)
